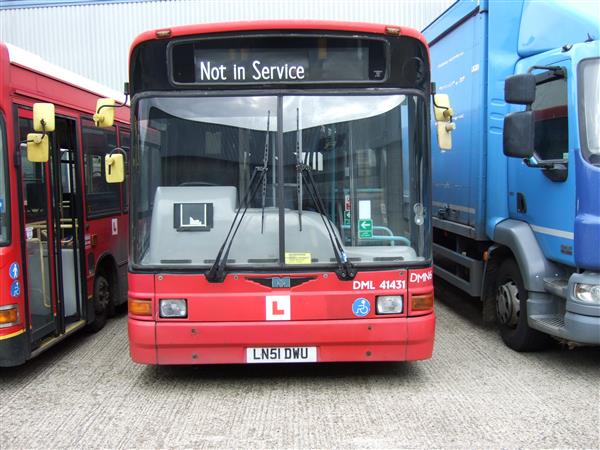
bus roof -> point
(31, 61)
(359, 27)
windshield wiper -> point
(298, 172)
(345, 270)
(264, 180)
(216, 274)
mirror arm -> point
(118, 150)
(115, 106)
(556, 70)
(552, 164)
(44, 134)
(448, 113)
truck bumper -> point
(385, 339)
(582, 329)
(582, 320)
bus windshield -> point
(199, 159)
(4, 213)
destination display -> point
(279, 59)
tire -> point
(511, 311)
(102, 302)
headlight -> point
(175, 308)
(588, 293)
(389, 304)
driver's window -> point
(551, 120)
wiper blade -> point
(345, 270)
(216, 274)
(264, 180)
(298, 172)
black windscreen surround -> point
(275, 59)
(315, 59)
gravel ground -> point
(475, 392)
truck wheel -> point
(511, 311)
(102, 301)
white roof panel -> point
(34, 62)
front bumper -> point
(379, 339)
(582, 329)
(582, 320)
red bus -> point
(281, 194)
(63, 229)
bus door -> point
(51, 232)
(38, 239)
(68, 212)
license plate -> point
(281, 354)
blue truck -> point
(516, 202)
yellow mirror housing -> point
(105, 112)
(114, 168)
(444, 136)
(37, 147)
(443, 110)
(43, 117)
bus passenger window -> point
(102, 197)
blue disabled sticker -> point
(13, 270)
(15, 289)
(361, 307)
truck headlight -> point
(389, 304)
(173, 308)
(588, 293)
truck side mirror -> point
(43, 117)
(114, 168)
(443, 116)
(37, 147)
(517, 139)
(520, 89)
(105, 113)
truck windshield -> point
(590, 108)
(4, 213)
(197, 159)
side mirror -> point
(37, 147)
(518, 135)
(444, 136)
(442, 109)
(443, 116)
(520, 89)
(105, 112)
(114, 168)
(43, 117)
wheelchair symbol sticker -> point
(13, 271)
(361, 307)
(15, 289)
